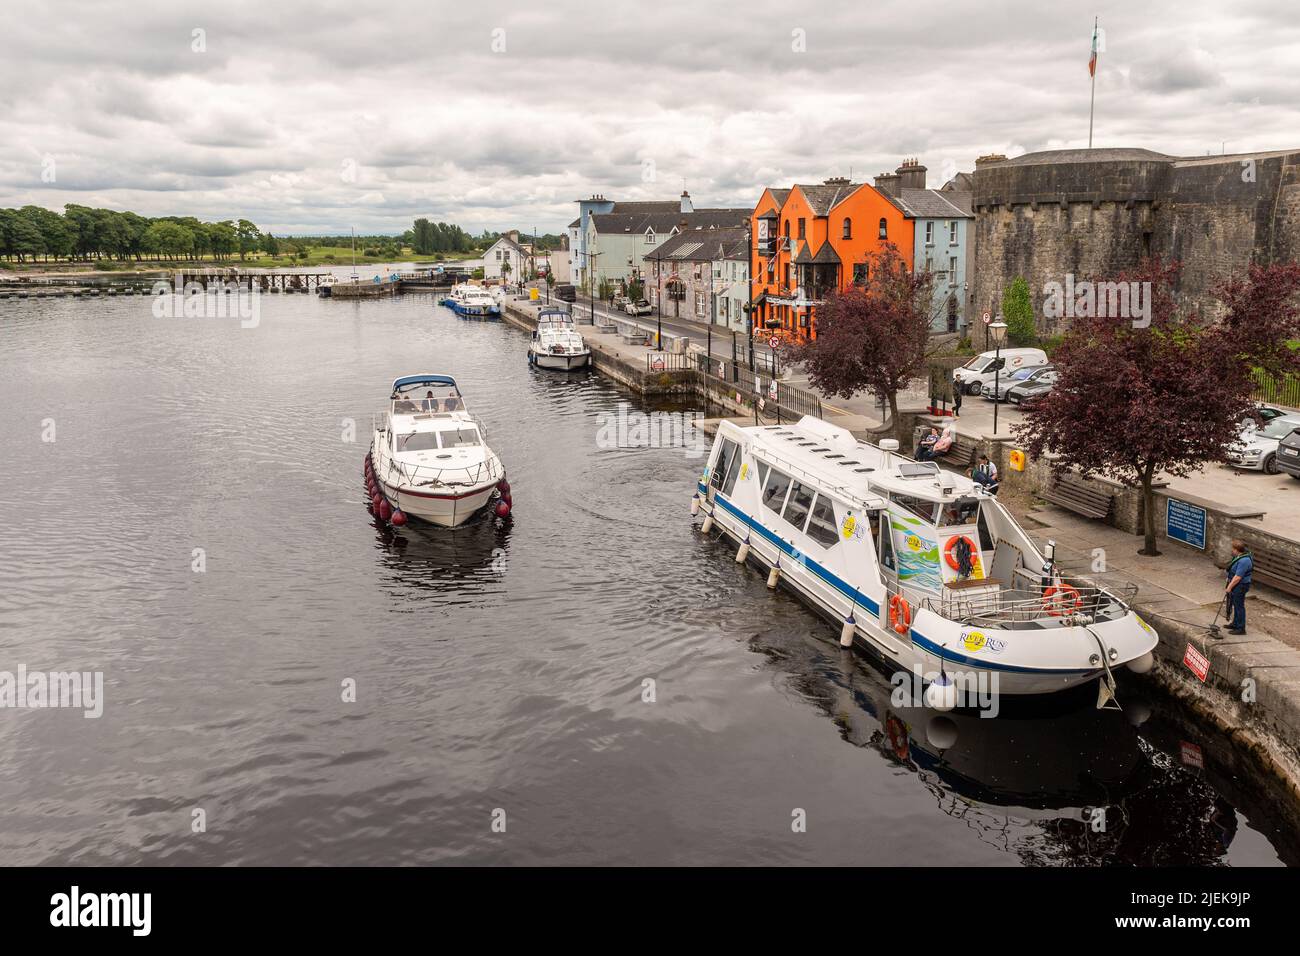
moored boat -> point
(429, 458)
(325, 285)
(556, 343)
(472, 301)
(920, 565)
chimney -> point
(686, 202)
(990, 158)
(514, 235)
(836, 181)
(911, 174)
(887, 183)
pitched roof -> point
(630, 223)
(701, 245)
(929, 204)
(822, 198)
(824, 256)
(512, 244)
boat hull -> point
(561, 363)
(475, 311)
(449, 510)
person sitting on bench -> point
(986, 473)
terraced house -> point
(812, 239)
(699, 274)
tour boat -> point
(466, 299)
(556, 344)
(920, 565)
(428, 458)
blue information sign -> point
(1185, 522)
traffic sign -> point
(987, 317)
(773, 342)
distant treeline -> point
(33, 233)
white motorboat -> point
(467, 299)
(920, 565)
(556, 343)
(429, 459)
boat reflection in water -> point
(452, 567)
(1072, 785)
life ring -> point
(900, 615)
(897, 737)
(952, 543)
(1061, 599)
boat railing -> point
(1059, 602)
(382, 422)
(431, 476)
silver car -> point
(997, 391)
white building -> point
(507, 258)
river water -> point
(591, 682)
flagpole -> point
(1092, 98)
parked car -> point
(566, 292)
(1000, 387)
(1026, 393)
(1288, 454)
(1265, 413)
(986, 366)
(1256, 449)
(639, 307)
(619, 303)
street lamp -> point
(998, 333)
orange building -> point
(811, 239)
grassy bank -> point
(319, 256)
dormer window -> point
(649, 237)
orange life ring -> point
(1059, 600)
(900, 615)
(947, 549)
(897, 737)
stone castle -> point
(1096, 213)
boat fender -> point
(774, 575)
(1140, 665)
(399, 518)
(900, 614)
(942, 693)
(695, 504)
(846, 632)
(742, 555)
(503, 509)
(708, 524)
(385, 511)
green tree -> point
(1018, 314)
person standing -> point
(1240, 571)
(956, 400)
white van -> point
(984, 368)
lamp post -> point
(998, 333)
(749, 309)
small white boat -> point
(466, 299)
(325, 285)
(556, 343)
(429, 459)
(918, 564)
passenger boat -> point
(920, 565)
(474, 301)
(325, 285)
(428, 457)
(556, 343)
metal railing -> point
(1277, 391)
(429, 476)
(1073, 601)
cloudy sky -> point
(320, 116)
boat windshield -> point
(958, 512)
(429, 440)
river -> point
(591, 682)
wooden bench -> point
(1078, 495)
(1275, 566)
(960, 454)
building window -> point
(701, 304)
(803, 232)
(884, 228)
(787, 228)
(929, 233)
(952, 233)
(787, 275)
(861, 272)
(649, 237)
(952, 270)
(498, 255)
(848, 228)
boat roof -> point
(830, 454)
(406, 381)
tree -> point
(873, 336)
(1135, 400)
(1018, 313)
(248, 237)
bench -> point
(1275, 567)
(960, 454)
(1080, 496)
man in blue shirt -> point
(1240, 569)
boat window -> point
(774, 490)
(918, 506)
(725, 455)
(460, 438)
(833, 457)
(800, 503)
(418, 441)
(729, 482)
(986, 534)
(762, 473)
(850, 462)
(886, 545)
(958, 511)
(821, 526)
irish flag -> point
(1092, 60)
